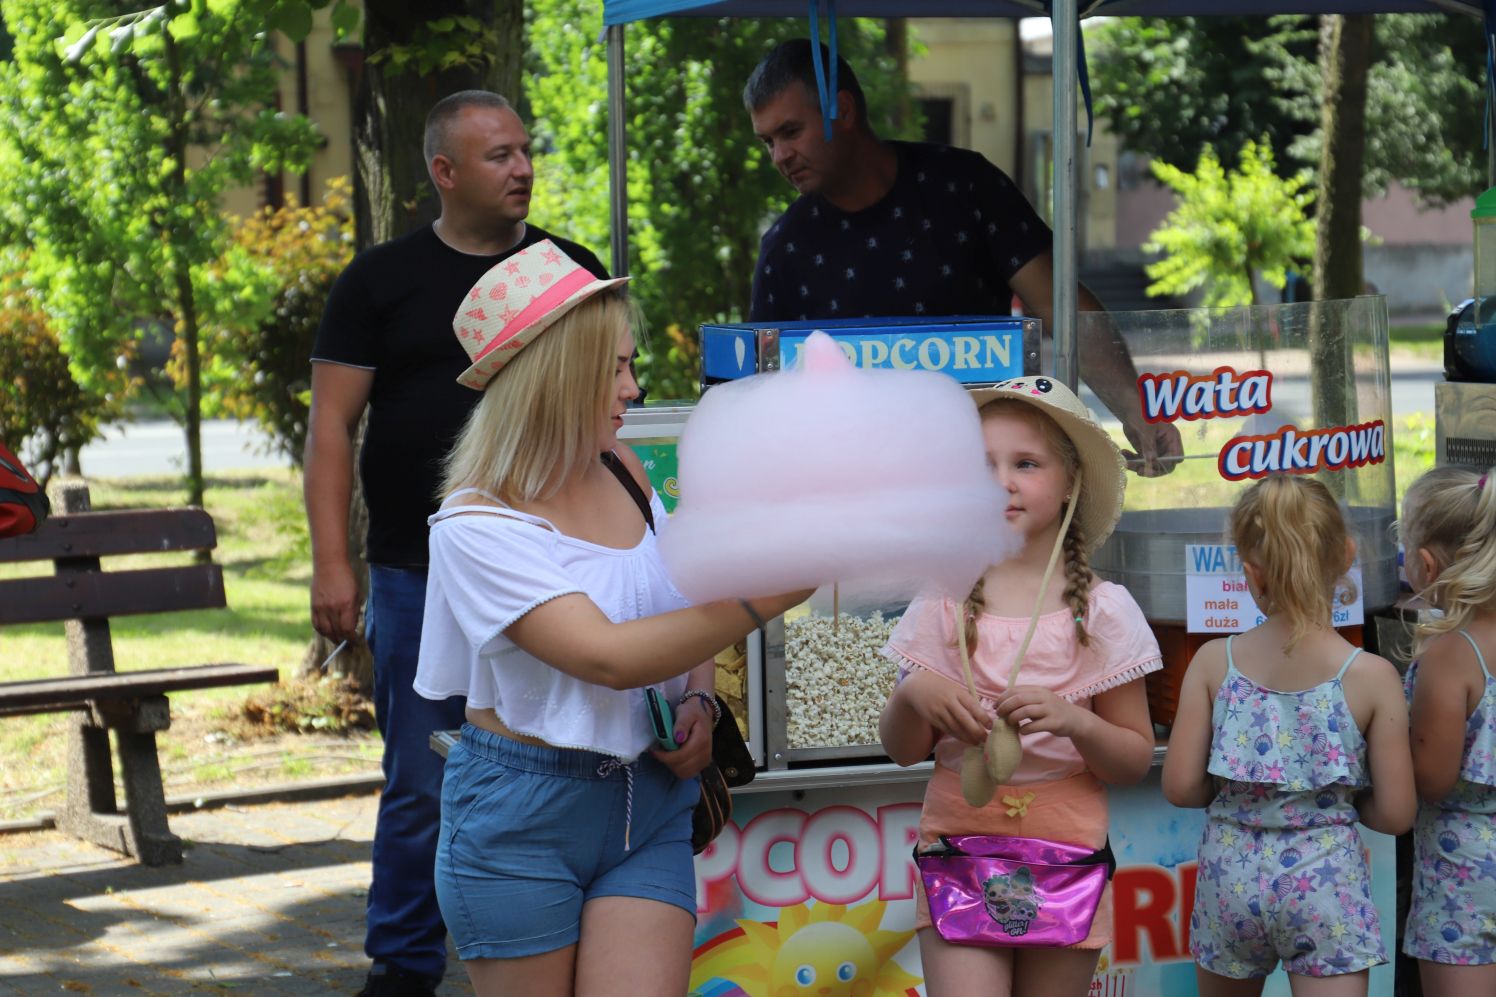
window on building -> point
(940, 119)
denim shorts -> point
(530, 834)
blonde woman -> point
(564, 864)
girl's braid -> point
(975, 605)
(1078, 579)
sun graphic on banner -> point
(825, 950)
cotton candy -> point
(825, 473)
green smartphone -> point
(661, 719)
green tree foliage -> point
(121, 132)
(700, 189)
(1229, 228)
(255, 360)
(1172, 86)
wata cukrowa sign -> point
(1226, 393)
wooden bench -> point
(132, 704)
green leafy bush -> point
(284, 262)
(1230, 227)
(43, 410)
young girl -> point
(564, 861)
(1288, 735)
(1079, 705)
(1449, 532)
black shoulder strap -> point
(626, 478)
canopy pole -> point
(1065, 24)
(618, 171)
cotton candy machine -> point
(1287, 388)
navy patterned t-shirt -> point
(943, 241)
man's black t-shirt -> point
(391, 312)
(944, 241)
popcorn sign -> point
(810, 891)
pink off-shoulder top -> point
(1122, 650)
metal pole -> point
(618, 167)
(1065, 25)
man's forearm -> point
(328, 486)
(1111, 372)
(1108, 370)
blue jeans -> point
(405, 928)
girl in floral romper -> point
(1449, 533)
(1288, 736)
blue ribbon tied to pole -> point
(824, 88)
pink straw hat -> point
(517, 300)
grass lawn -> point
(1422, 342)
(1197, 482)
(263, 547)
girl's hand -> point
(693, 732)
(946, 706)
(1043, 711)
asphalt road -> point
(140, 448)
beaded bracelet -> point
(707, 698)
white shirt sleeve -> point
(492, 570)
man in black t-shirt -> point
(884, 229)
(386, 343)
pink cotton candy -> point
(825, 474)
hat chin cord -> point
(984, 769)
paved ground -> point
(269, 900)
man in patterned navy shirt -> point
(885, 228)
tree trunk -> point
(186, 303)
(1345, 55)
(392, 194)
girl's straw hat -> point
(1105, 471)
(517, 300)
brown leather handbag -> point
(731, 765)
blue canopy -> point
(624, 11)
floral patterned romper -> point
(1282, 874)
(1453, 915)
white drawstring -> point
(606, 768)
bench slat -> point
(99, 594)
(105, 534)
(76, 691)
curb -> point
(286, 792)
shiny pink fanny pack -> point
(1001, 891)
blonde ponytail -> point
(1291, 530)
(1451, 513)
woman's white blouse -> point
(489, 570)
